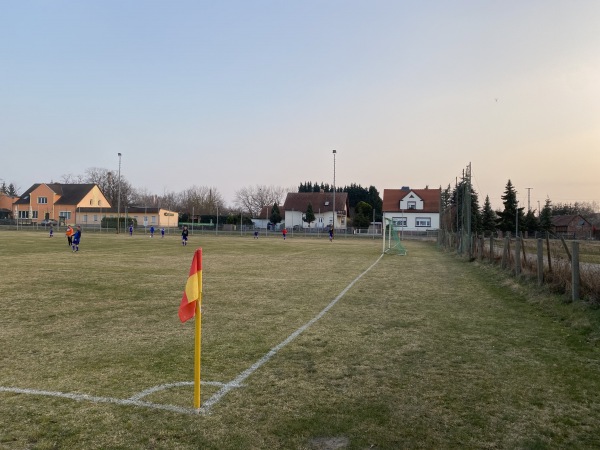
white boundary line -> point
(225, 387)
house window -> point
(85, 218)
(23, 214)
(34, 214)
(399, 221)
(153, 219)
(99, 202)
(411, 205)
(42, 200)
(65, 214)
(423, 222)
(95, 217)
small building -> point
(6, 206)
(412, 209)
(572, 226)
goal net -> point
(392, 245)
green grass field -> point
(423, 351)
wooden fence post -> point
(540, 262)
(481, 244)
(505, 253)
(575, 270)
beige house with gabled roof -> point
(57, 201)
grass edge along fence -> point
(566, 267)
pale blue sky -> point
(229, 94)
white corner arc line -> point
(246, 373)
(91, 398)
(163, 387)
(225, 387)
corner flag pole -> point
(197, 350)
(190, 306)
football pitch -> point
(306, 343)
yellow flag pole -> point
(197, 347)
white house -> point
(412, 209)
(296, 204)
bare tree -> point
(69, 178)
(252, 199)
(108, 182)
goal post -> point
(392, 245)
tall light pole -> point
(334, 213)
(119, 199)
(529, 198)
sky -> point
(234, 94)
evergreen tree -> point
(546, 216)
(461, 190)
(309, 215)
(12, 190)
(275, 216)
(488, 218)
(362, 216)
(446, 198)
(507, 219)
(531, 224)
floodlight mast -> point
(119, 198)
(334, 212)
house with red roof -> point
(572, 226)
(412, 209)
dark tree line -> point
(512, 218)
(361, 215)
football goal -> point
(392, 245)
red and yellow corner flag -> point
(193, 289)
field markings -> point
(225, 388)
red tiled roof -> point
(430, 197)
(566, 220)
(320, 201)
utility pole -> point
(334, 212)
(528, 198)
(119, 198)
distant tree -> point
(72, 179)
(275, 216)
(446, 198)
(3, 188)
(507, 219)
(12, 190)
(253, 199)
(488, 218)
(362, 215)
(108, 182)
(531, 223)
(463, 189)
(546, 216)
(309, 215)
(584, 209)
